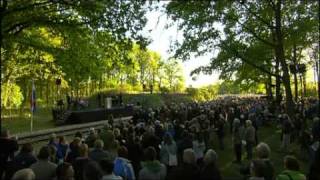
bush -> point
(11, 96)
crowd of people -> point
(175, 141)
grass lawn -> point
(269, 135)
(19, 122)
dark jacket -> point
(78, 165)
(185, 172)
(210, 171)
(98, 154)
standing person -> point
(63, 148)
(256, 170)
(210, 169)
(249, 138)
(314, 171)
(199, 147)
(188, 170)
(122, 166)
(80, 162)
(152, 169)
(237, 133)
(220, 131)
(291, 171)
(98, 153)
(44, 169)
(286, 132)
(107, 169)
(24, 159)
(64, 171)
(8, 147)
(168, 152)
(263, 154)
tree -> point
(244, 24)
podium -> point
(108, 103)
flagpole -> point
(31, 122)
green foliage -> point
(202, 94)
(11, 96)
(249, 37)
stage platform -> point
(91, 115)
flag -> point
(33, 98)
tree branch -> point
(258, 17)
(26, 7)
(245, 60)
(252, 32)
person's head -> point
(24, 174)
(53, 138)
(263, 151)
(92, 131)
(44, 153)
(291, 163)
(98, 144)
(257, 168)
(248, 123)
(150, 154)
(62, 139)
(106, 166)
(210, 157)
(78, 135)
(123, 152)
(26, 148)
(83, 150)
(189, 156)
(92, 171)
(65, 171)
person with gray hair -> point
(188, 169)
(24, 174)
(210, 169)
(98, 153)
(249, 138)
(263, 154)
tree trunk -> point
(269, 88)
(295, 72)
(280, 55)
(278, 84)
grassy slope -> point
(20, 121)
